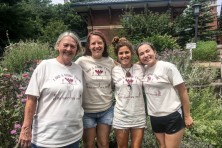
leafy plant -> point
(18, 54)
(193, 74)
(12, 100)
(206, 110)
(51, 32)
(205, 51)
(145, 24)
(163, 42)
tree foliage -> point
(148, 23)
(35, 19)
(185, 27)
(145, 24)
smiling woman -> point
(58, 82)
(97, 96)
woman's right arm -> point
(26, 132)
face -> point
(124, 56)
(147, 55)
(96, 46)
(67, 48)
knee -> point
(136, 145)
(89, 143)
(162, 145)
(103, 143)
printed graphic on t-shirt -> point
(150, 90)
(67, 83)
(129, 89)
(100, 77)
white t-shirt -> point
(129, 110)
(58, 118)
(159, 81)
(97, 92)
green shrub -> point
(193, 74)
(18, 54)
(146, 23)
(51, 31)
(161, 42)
(205, 51)
(206, 111)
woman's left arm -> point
(182, 90)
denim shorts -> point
(91, 120)
(73, 145)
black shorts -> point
(169, 124)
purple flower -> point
(13, 132)
(25, 75)
(17, 126)
(19, 95)
(31, 68)
(24, 100)
(7, 75)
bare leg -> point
(103, 132)
(122, 137)
(89, 135)
(174, 140)
(137, 137)
(161, 139)
(170, 140)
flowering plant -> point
(12, 102)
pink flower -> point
(24, 100)
(7, 75)
(17, 126)
(13, 132)
(21, 88)
(19, 95)
(31, 69)
(25, 75)
(37, 61)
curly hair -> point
(120, 42)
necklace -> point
(127, 71)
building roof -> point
(121, 4)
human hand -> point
(25, 137)
(188, 121)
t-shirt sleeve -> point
(174, 75)
(77, 61)
(113, 62)
(35, 83)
